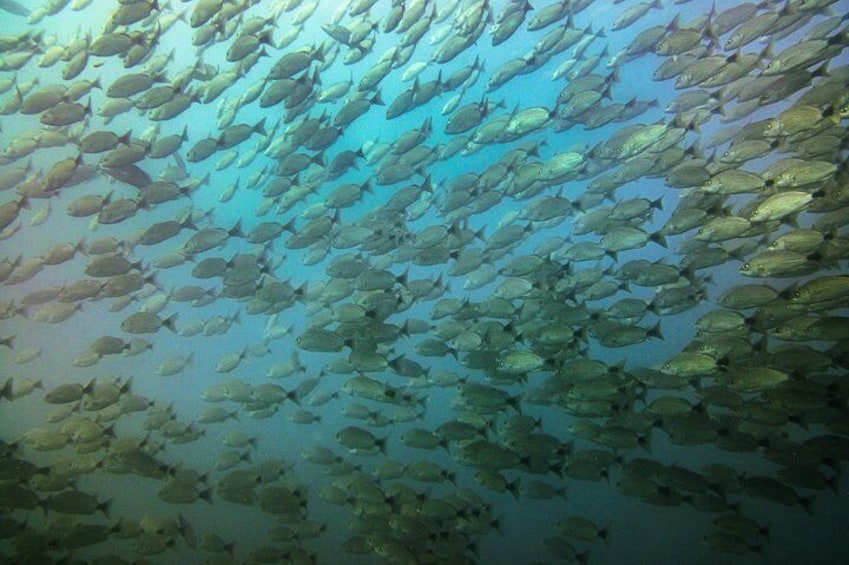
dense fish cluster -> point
(423, 281)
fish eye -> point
(745, 267)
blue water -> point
(639, 532)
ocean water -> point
(638, 532)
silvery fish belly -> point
(424, 281)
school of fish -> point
(459, 320)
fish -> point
(145, 322)
(523, 271)
(15, 8)
(360, 440)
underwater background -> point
(355, 509)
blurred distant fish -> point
(14, 8)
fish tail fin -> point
(655, 331)
(169, 322)
(6, 392)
